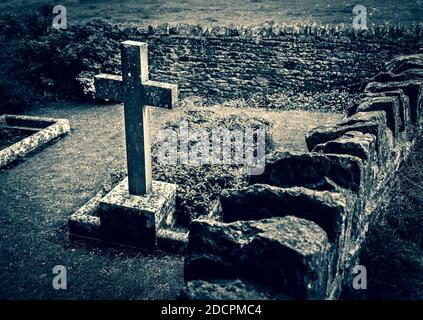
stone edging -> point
(298, 228)
(48, 130)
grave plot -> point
(19, 135)
(165, 213)
(295, 232)
(199, 187)
(295, 229)
(292, 231)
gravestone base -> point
(135, 220)
(116, 217)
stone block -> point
(412, 88)
(354, 143)
(404, 105)
(332, 211)
(388, 104)
(135, 220)
(288, 255)
(262, 201)
(285, 169)
(373, 123)
(405, 62)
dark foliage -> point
(37, 61)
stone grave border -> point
(332, 194)
(43, 129)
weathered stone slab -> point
(49, 129)
(359, 145)
(332, 211)
(235, 289)
(405, 62)
(285, 169)
(404, 105)
(289, 255)
(354, 143)
(262, 201)
(409, 74)
(412, 88)
(389, 104)
(84, 222)
(134, 220)
(366, 122)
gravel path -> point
(38, 194)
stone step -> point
(404, 105)
(354, 143)
(262, 201)
(334, 212)
(388, 104)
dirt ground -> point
(241, 12)
(38, 194)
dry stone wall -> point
(230, 62)
(296, 231)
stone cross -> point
(138, 94)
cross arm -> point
(157, 94)
(108, 87)
(160, 94)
